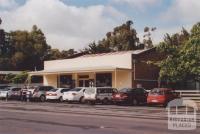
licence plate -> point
(117, 95)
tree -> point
(9, 77)
(20, 78)
(122, 38)
(182, 60)
(68, 53)
(147, 37)
(25, 49)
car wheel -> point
(82, 100)
(165, 104)
(105, 101)
(61, 99)
(42, 98)
(135, 102)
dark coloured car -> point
(161, 96)
(133, 96)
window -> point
(16, 89)
(53, 90)
(76, 89)
(66, 81)
(64, 90)
(104, 80)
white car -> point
(99, 95)
(56, 94)
(6, 92)
(75, 95)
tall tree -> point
(182, 60)
(27, 49)
(123, 37)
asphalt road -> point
(56, 118)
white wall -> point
(117, 60)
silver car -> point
(39, 93)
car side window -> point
(139, 91)
(114, 90)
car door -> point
(62, 91)
(80, 94)
(110, 92)
(140, 95)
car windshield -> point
(6, 89)
(53, 90)
(3, 87)
(157, 91)
(76, 89)
(124, 90)
(16, 89)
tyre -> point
(82, 100)
(134, 102)
(61, 99)
(42, 98)
(105, 101)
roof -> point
(74, 70)
(10, 72)
(115, 53)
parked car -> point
(3, 87)
(14, 93)
(99, 95)
(74, 95)
(161, 96)
(39, 92)
(56, 94)
(4, 93)
(27, 90)
(133, 96)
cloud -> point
(182, 11)
(140, 4)
(7, 4)
(65, 26)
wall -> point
(50, 80)
(146, 74)
(123, 61)
(124, 79)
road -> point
(62, 118)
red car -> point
(161, 96)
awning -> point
(77, 70)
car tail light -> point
(74, 94)
(124, 96)
(54, 94)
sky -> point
(76, 23)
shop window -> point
(104, 80)
(66, 81)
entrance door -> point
(83, 83)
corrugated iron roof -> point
(115, 53)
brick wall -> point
(143, 73)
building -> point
(4, 73)
(115, 69)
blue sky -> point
(75, 23)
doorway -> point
(84, 83)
